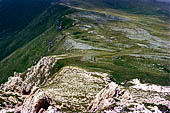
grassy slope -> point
(117, 62)
(43, 29)
(15, 16)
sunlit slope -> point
(124, 44)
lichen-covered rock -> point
(36, 102)
(13, 84)
(104, 98)
(73, 89)
(20, 93)
(34, 76)
(115, 98)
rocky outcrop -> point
(14, 84)
(104, 98)
(114, 98)
(36, 102)
(21, 94)
(149, 87)
(73, 89)
(34, 76)
(41, 91)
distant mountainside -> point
(43, 23)
(149, 7)
(16, 15)
(23, 21)
(168, 1)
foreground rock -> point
(73, 89)
(114, 98)
(36, 102)
(21, 93)
(34, 76)
(41, 90)
(149, 87)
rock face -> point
(20, 93)
(104, 98)
(37, 74)
(40, 91)
(114, 98)
(149, 87)
(73, 89)
(36, 102)
(34, 76)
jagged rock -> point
(22, 88)
(114, 98)
(104, 98)
(36, 102)
(73, 88)
(149, 87)
(40, 70)
(23, 82)
(9, 99)
(13, 84)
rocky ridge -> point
(21, 93)
(71, 89)
(115, 98)
(38, 90)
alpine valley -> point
(97, 56)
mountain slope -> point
(73, 89)
(81, 32)
(15, 16)
(43, 29)
(146, 7)
(89, 56)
